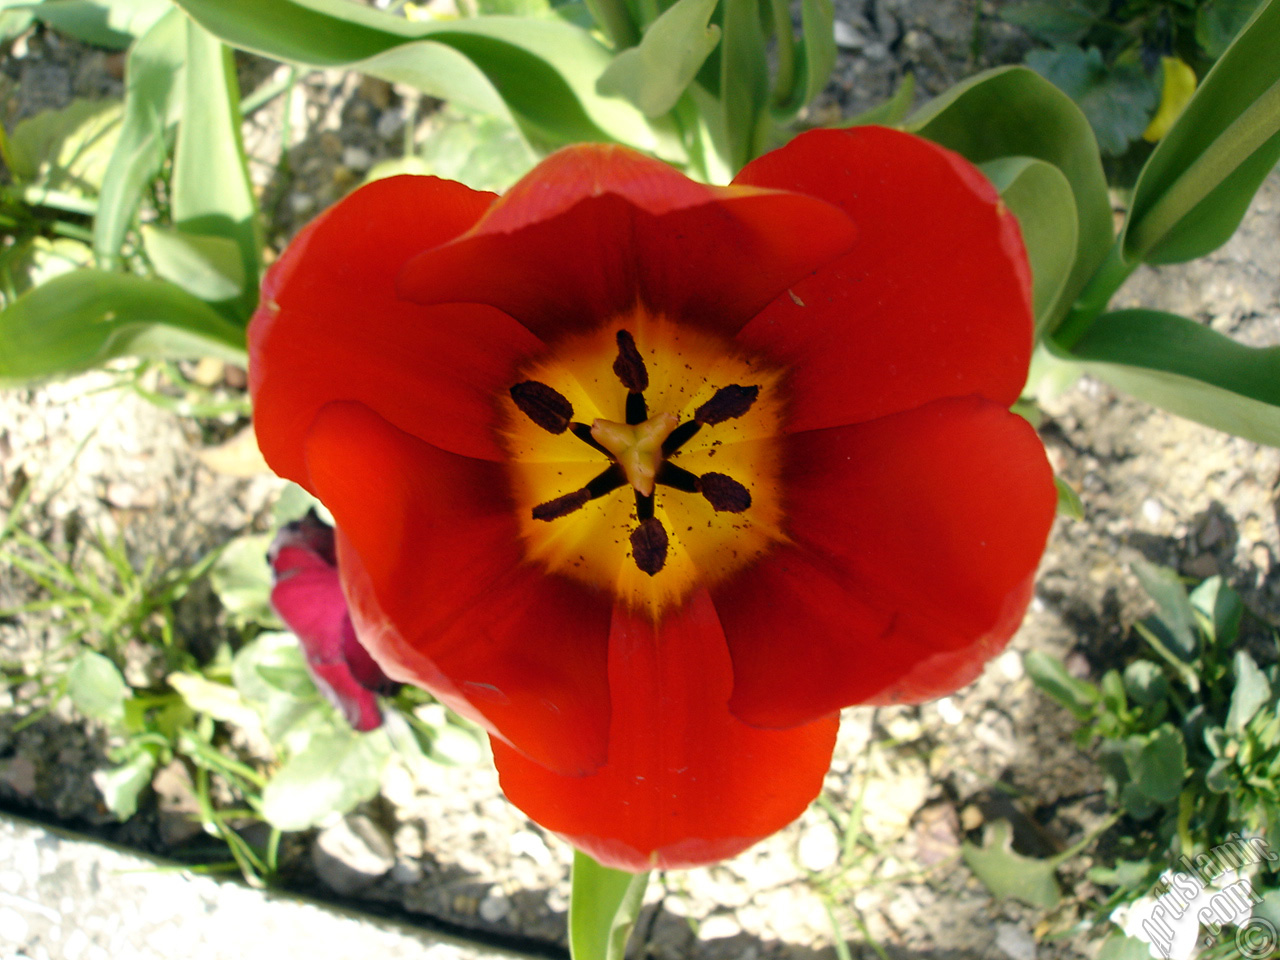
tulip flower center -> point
(636, 449)
(681, 418)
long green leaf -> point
(1011, 112)
(744, 82)
(654, 74)
(153, 74)
(1187, 369)
(603, 906)
(1197, 184)
(545, 69)
(212, 194)
(104, 23)
(816, 56)
(1040, 197)
(82, 319)
(207, 267)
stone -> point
(352, 853)
(819, 848)
(1015, 942)
(19, 775)
(719, 926)
(495, 906)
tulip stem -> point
(1093, 299)
(603, 906)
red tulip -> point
(651, 478)
(307, 595)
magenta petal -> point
(307, 594)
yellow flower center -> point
(644, 459)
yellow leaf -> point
(1179, 85)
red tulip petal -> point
(686, 783)
(431, 561)
(914, 541)
(933, 300)
(331, 328)
(594, 228)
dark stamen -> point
(544, 405)
(644, 506)
(606, 482)
(724, 493)
(561, 506)
(678, 478)
(583, 432)
(637, 409)
(728, 403)
(649, 546)
(680, 436)
(630, 366)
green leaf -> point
(1251, 691)
(1069, 503)
(439, 71)
(1219, 21)
(514, 8)
(1221, 608)
(1145, 683)
(288, 679)
(84, 318)
(1173, 608)
(335, 772)
(1199, 180)
(744, 83)
(286, 719)
(36, 260)
(891, 112)
(474, 148)
(1049, 674)
(1118, 100)
(1269, 908)
(655, 73)
(1008, 874)
(1055, 21)
(1157, 762)
(96, 687)
(1040, 197)
(1115, 699)
(212, 194)
(603, 906)
(120, 786)
(1187, 369)
(14, 22)
(544, 70)
(207, 267)
(816, 57)
(215, 699)
(65, 150)
(1121, 947)
(241, 578)
(103, 23)
(1137, 804)
(1218, 777)
(152, 105)
(454, 746)
(1014, 112)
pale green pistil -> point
(637, 448)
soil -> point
(446, 847)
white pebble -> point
(949, 712)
